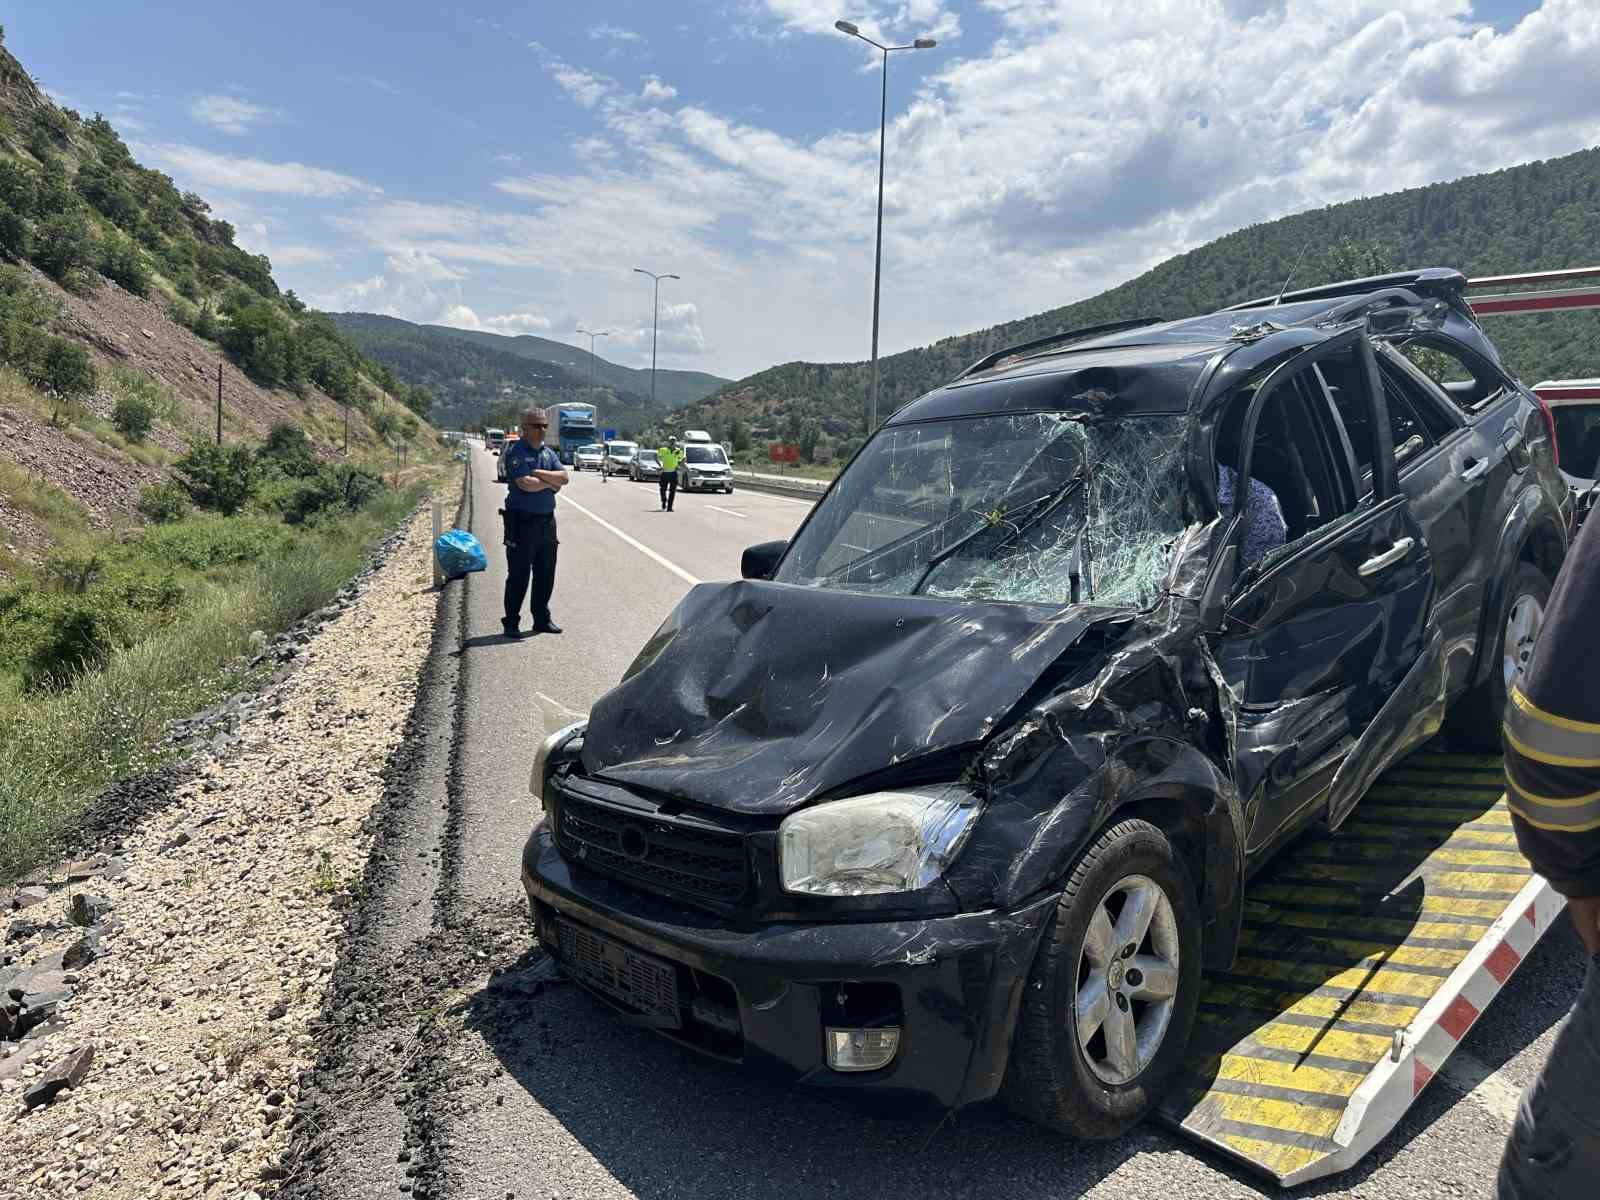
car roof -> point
(1559, 392)
(1148, 367)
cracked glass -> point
(1037, 508)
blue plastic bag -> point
(459, 553)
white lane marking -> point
(634, 542)
(1484, 1086)
(729, 511)
(755, 494)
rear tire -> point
(1096, 1045)
(1473, 724)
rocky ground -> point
(161, 997)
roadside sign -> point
(610, 435)
(783, 452)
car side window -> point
(1297, 485)
(1470, 383)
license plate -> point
(640, 981)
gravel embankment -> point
(205, 934)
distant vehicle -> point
(646, 464)
(704, 469)
(511, 439)
(572, 426)
(590, 457)
(696, 436)
(493, 439)
(618, 458)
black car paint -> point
(1233, 716)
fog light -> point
(862, 1049)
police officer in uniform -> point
(533, 476)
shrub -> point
(49, 638)
(123, 264)
(13, 233)
(219, 478)
(333, 490)
(164, 503)
(289, 450)
(66, 369)
(63, 246)
(17, 187)
(133, 416)
(73, 572)
(385, 424)
(206, 542)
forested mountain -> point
(486, 377)
(1540, 216)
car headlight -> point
(548, 749)
(868, 845)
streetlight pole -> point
(593, 333)
(655, 312)
(877, 254)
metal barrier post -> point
(438, 528)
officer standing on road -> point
(1552, 762)
(533, 476)
(670, 457)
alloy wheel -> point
(1522, 630)
(1127, 981)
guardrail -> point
(779, 485)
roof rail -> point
(1437, 276)
(1071, 335)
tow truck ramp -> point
(1366, 957)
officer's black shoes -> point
(511, 628)
(547, 627)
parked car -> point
(704, 469)
(493, 440)
(646, 464)
(692, 436)
(511, 439)
(1575, 404)
(618, 458)
(955, 793)
(589, 458)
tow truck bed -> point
(1366, 956)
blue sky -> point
(505, 166)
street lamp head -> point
(924, 44)
(847, 27)
(678, 277)
(642, 271)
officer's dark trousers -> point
(1554, 1151)
(669, 488)
(530, 555)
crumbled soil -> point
(106, 483)
(227, 895)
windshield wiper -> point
(1046, 505)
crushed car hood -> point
(756, 697)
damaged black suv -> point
(957, 792)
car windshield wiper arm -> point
(1047, 504)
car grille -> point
(655, 852)
(642, 982)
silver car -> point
(589, 458)
(705, 469)
(619, 458)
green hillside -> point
(484, 378)
(1540, 216)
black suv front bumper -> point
(763, 996)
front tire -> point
(1110, 1003)
(1474, 723)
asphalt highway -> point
(575, 1104)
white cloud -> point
(611, 33)
(593, 149)
(510, 160)
(463, 317)
(585, 87)
(193, 166)
(228, 114)
(296, 255)
(654, 89)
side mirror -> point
(760, 561)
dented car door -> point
(1318, 633)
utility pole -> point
(847, 27)
(593, 333)
(655, 313)
(347, 428)
(219, 403)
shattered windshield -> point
(1036, 508)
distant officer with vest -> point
(670, 456)
(533, 476)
